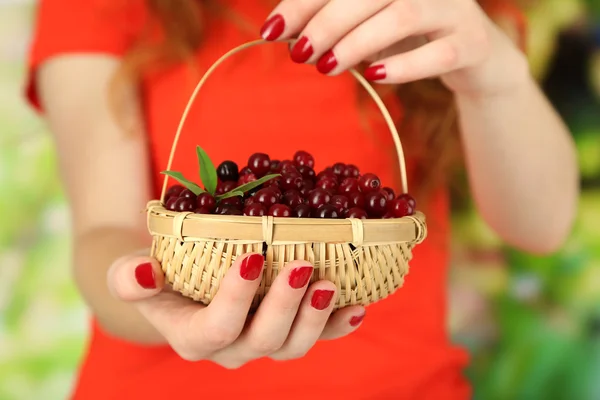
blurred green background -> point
(532, 324)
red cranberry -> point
(375, 204)
(357, 213)
(228, 171)
(275, 166)
(205, 200)
(389, 192)
(170, 205)
(307, 186)
(275, 182)
(174, 191)
(388, 215)
(187, 194)
(356, 199)
(225, 209)
(306, 172)
(303, 158)
(246, 178)
(224, 187)
(328, 173)
(340, 202)
(318, 197)
(203, 210)
(287, 166)
(277, 192)
(338, 168)
(183, 204)
(351, 171)
(235, 201)
(349, 185)
(248, 201)
(292, 180)
(326, 211)
(327, 184)
(266, 197)
(233, 211)
(369, 183)
(280, 210)
(401, 208)
(409, 199)
(292, 198)
(259, 163)
(245, 171)
(302, 211)
(255, 210)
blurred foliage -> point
(532, 323)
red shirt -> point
(260, 101)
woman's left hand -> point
(406, 40)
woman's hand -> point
(406, 40)
(290, 319)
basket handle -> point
(359, 78)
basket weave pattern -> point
(367, 260)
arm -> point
(521, 161)
(104, 169)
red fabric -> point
(260, 101)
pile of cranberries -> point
(339, 191)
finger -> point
(312, 317)
(289, 18)
(330, 24)
(343, 322)
(272, 322)
(222, 321)
(401, 19)
(432, 59)
(133, 278)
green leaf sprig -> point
(208, 177)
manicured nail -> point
(300, 276)
(273, 27)
(327, 62)
(302, 50)
(356, 320)
(252, 267)
(144, 275)
(375, 72)
(321, 299)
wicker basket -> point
(366, 259)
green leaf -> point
(178, 176)
(251, 185)
(208, 172)
(227, 195)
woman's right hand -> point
(289, 321)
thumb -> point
(133, 278)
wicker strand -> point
(364, 83)
(267, 229)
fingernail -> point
(321, 299)
(252, 267)
(302, 50)
(327, 62)
(273, 27)
(356, 320)
(375, 72)
(300, 276)
(144, 275)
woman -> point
(113, 138)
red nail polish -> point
(321, 299)
(375, 72)
(356, 320)
(273, 27)
(302, 50)
(144, 275)
(300, 276)
(327, 62)
(252, 267)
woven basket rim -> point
(189, 226)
